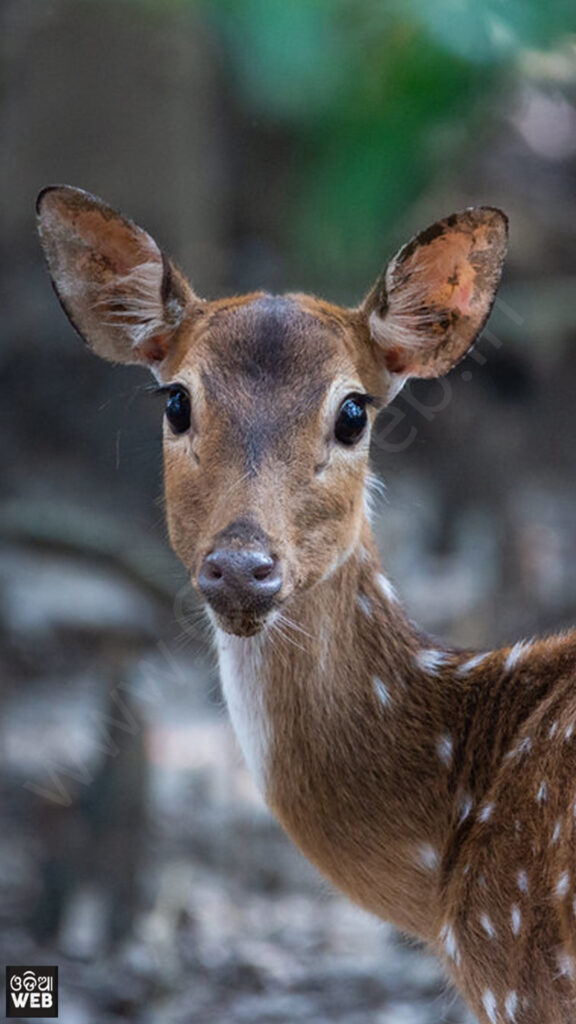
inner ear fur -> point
(123, 295)
(428, 307)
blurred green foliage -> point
(380, 97)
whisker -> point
(287, 621)
(277, 625)
(237, 483)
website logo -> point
(32, 991)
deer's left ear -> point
(433, 299)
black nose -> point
(237, 579)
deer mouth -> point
(241, 623)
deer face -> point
(269, 400)
(266, 447)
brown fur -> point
(433, 786)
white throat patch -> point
(240, 662)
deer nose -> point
(240, 579)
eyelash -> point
(362, 399)
(166, 389)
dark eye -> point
(178, 410)
(351, 420)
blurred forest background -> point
(278, 144)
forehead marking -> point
(271, 339)
(267, 370)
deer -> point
(434, 786)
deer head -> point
(269, 400)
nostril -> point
(214, 566)
(213, 572)
(264, 570)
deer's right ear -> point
(121, 293)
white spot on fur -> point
(386, 588)
(565, 965)
(562, 885)
(431, 661)
(524, 747)
(466, 805)
(542, 794)
(511, 1005)
(489, 1004)
(428, 856)
(449, 942)
(240, 662)
(522, 881)
(445, 746)
(364, 604)
(382, 692)
(487, 925)
(516, 919)
(486, 812)
(553, 730)
(516, 653)
(471, 664)
(557, 831)
(569, 730)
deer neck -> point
(348, 728)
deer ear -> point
(433, 299)
(121, 293)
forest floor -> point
(134, 851)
